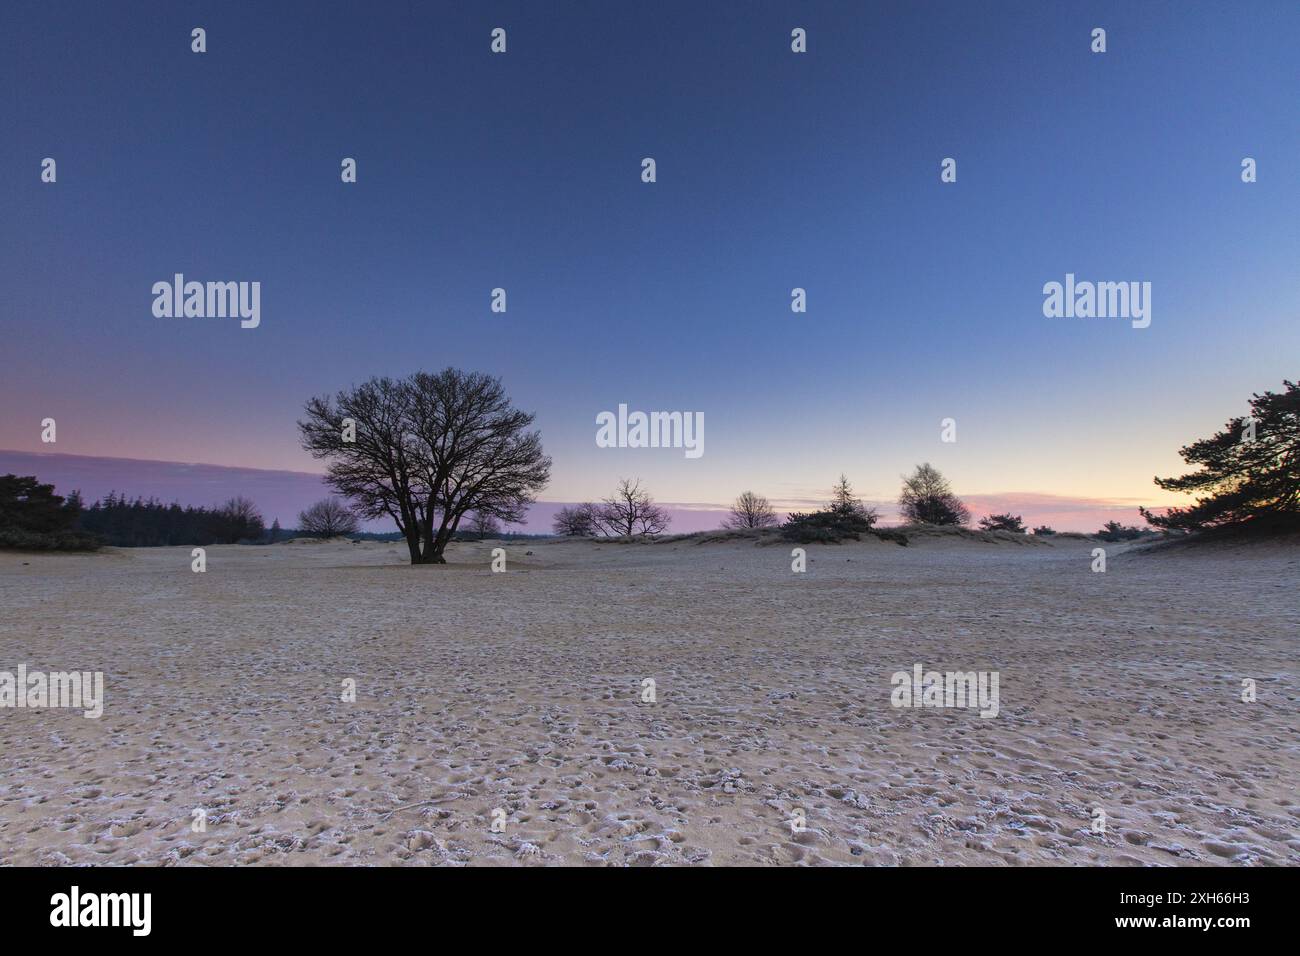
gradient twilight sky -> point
(775, 170)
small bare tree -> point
(237, 520)
(630, 510)
(576, 522)
(927, 498)
(750, 511)
(483, 525)
(328, 518)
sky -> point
(775, 170)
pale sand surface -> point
(521, 691)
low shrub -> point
(48, 540)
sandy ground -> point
(521, 692)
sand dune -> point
(521, 692)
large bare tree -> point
(630, 510)
(750, 511)
(427, 450)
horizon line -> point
(1042, 498)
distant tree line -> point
(140, 523)
(33, 517)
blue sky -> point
(775, 170)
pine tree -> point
(1249, 472)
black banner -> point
(334, 905)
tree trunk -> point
(433, 552)
(412, 535)
(437, 544)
